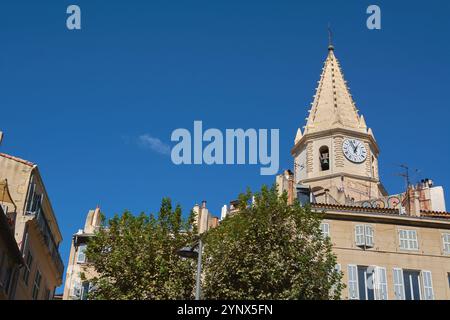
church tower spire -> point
(333, 105)
(336, 154)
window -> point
(81, 257)
(76, 290)
(408, 240)
(364, 236)
(446, 242)
(325, 228)
(367, 283)
(324, 158)
(27, 267)
(36, 285)
(413, 285)
(34, 199)
(85, 290)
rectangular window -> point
(446, 242)
(36, 285)
(364, 236)
(76, 290)
(85, 290)
(27, 267)
(81, 257)
(367, 283)
(325, 228)
(408, 239)
(411, 280)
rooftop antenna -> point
(330, 38)
(405, 175)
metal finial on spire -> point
(330, 38)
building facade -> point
(387, 246)
(10, 256)
(36, 229)
(79, 272)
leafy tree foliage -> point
(270, 250)
(135, 257)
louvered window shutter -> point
(369, 236)
(427, 285)
(353, 293)
(359, 235)
(399, 288)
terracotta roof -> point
(28, 163)
(435, 214)
(355, 208)
(424, 213)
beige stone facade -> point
(36, 229)
(427, 251)
(10, 255)
(388, 247)
(79, 272)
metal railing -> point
(49, 240)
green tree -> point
(270, 250)
(135, 256)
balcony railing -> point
(49, 240)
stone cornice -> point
(379, 215)
(340, 174)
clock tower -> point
(336, 154)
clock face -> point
(354, 150)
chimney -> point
(413, 202)
(203, 204)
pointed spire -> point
(362, 123)
(333, 105)
(298, 136)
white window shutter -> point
(359, 235)
(81, 258)
(380, 283)
(427, 285)
(399, 288)
(325, 228)
(446, 242)
(369, 236)
(413, 244)
(76, 291)
(403, 238)
(353, 291)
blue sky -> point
(76, 102)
